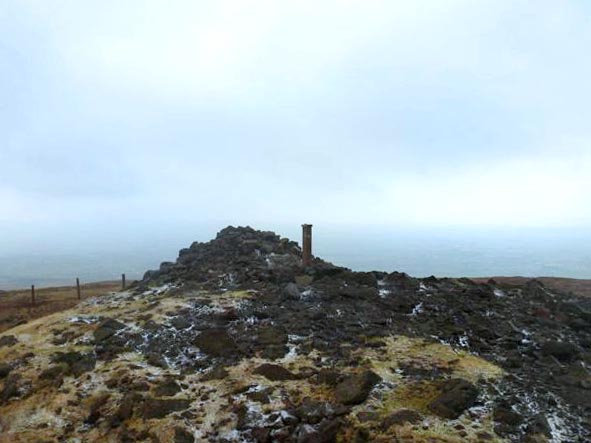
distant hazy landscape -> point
(418, 252)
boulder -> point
(325, 432)
(76, 362)
(275, 372)
(507, 416)
(182, 435)
(96, 403)
(5, 369)
(10, 390)
(456, 396)
(107, 329)
(159, 408)
(401, 417)
(563, 351)
(354, 389)
(216, 342)
(167, 388)
(180, 323)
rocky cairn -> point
(236, 341)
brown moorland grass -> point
(16, 308)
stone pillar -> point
(306, 245)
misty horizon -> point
(418, 252)
(126, 124)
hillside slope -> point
(237, 342)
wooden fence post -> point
(122, 281)
(33, 295)
(78, 287)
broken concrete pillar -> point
(306, 245)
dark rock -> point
(457, 395)
(107, 329)
(261, 396)
(271, 335)
(275, 372)
(563, 351)
(539, 425)
(507, 416)
(325, 432)
(98, 401)
(126, 407)
(291, 290)
(77, 363)
(313, 412)
(156, 359)
(54, 372)
(180, 323)
(10, 389)
(218, 372)
(158, 408)
(261, 435)
(182, 435)
(328, 377)
(8, 340)
(401, 417)
(354, 389)
(167, 388)
(216, 342)
(5, 369)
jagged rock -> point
(456, 396)
(275, 372)
(354, 389)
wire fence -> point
(38, 296)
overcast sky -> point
(115, 114)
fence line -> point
(34, 300)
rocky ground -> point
(237, 342)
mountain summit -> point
(237, 341)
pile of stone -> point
(238, 256)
